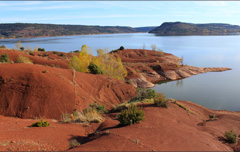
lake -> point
(215, 90)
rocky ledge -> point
(146, 67)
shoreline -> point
(67, 35)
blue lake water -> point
(215, 90)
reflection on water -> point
(216, 90)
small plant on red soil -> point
(161, 101)
(100, 108)
(22, 59)
(143, 94)
(41, 123)
(131, 115)
(231, 136)
(121, 48)
(4, 58)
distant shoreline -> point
(69, 35)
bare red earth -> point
(172, 129)
(36, 90)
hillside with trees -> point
(25, 30)
(180, 28)
(145, 29)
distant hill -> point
(180, 28)
(22, 30)
(145, 29)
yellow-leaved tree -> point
(81, 62)
(110, 65)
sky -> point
(119, 13)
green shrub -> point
(41, 123)
(5, 58)
(62, 54)
(41, 49)
(55, 52)
(94, 69)
(22, 48)
(161, 101)
(22, 59)
(3, 46)
(121, 48)
(100, 108)
(131, 115)
(144, 94)
(230, 136)
(211, 117)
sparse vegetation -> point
(100, 108)
(3, 47)
(88, 115)
(131, 115)
(41, 49)
(41, 123)
(160, 52)
(161, 101)
(144, 94)
(4, 58)
(62, 55)
(231, 136)
(23, 59)
(211, 117)
(154, 47)
(73, 143)
(119, 107)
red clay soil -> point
(42, 58)
(29, 91)
(172, 129)
(146, 67)
(16, 135)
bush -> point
(121, 48)
(160, 100)
(88, 115)
(230, 136)
(5, 58)
(22, 59)
(55, 52)
(41, 123)
(211, 117)
(3, 46)
(131, 115)
(100, 108)
(62, 54)
(41, 49)
(144, 94)
(22, 48)
(94, 69)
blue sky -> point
(122, 13)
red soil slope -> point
(42, 58)
(172, 129)
(30, 91)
